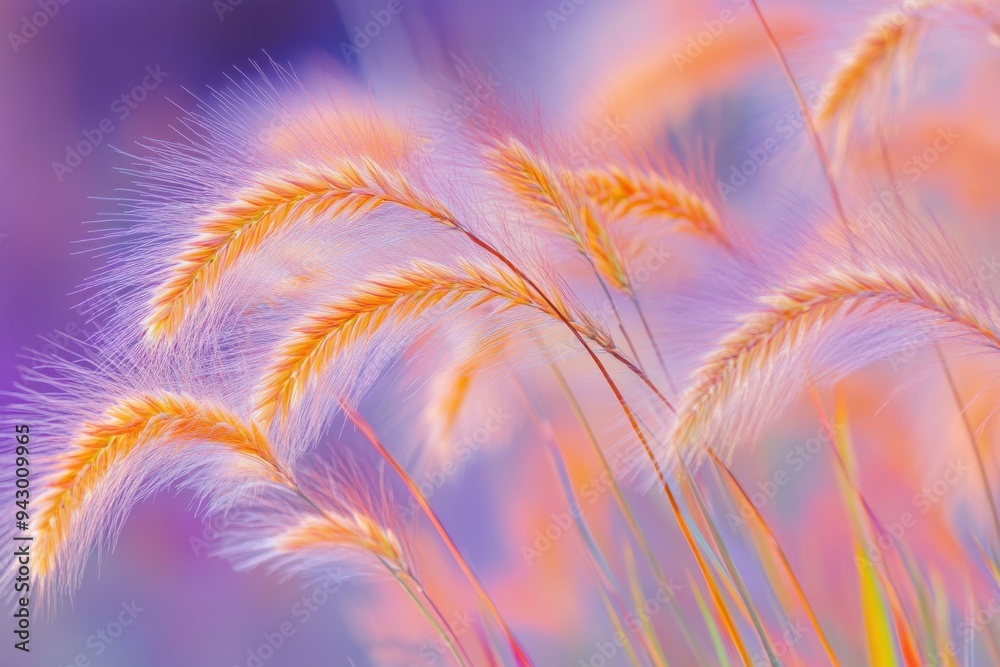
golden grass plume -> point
(104, 444)
(622, 192)
(406, 294)
(353, 532)
(275, 201)
(789, 315)
(868, 65)
(558, 198)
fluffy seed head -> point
(868, 64)
(234, 229)
(622, 192)
(353, 532)
(123, 430)
(559, 198)
(790, 315)
(405, 294)
(535, 184)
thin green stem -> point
(970, 432)
(431, 613)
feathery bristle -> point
(450, 387)
(600, 248)
(336, 515)
(536, 184)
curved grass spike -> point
(442, 216)
(138, 421)
(362, 194)
(358, 531)
(626, 191)
(363, 533)
(277, 201)
(870, 57)
(565, 202)
(616, 192)
(788, 312)
(537, 185)
(559, 199)
(413, 200)
(446, 218)
(322, 336)
(274, 202)
(124, 429)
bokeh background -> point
(584, 60)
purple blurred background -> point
(64, 69)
